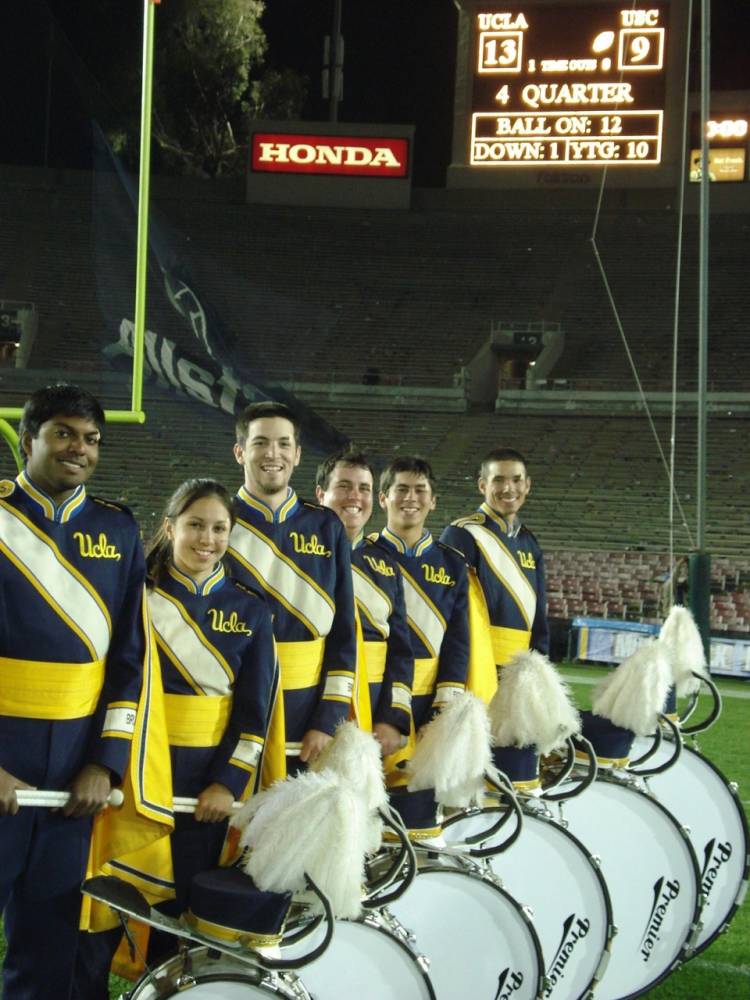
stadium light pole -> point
(699, 587)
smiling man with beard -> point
(506, 556)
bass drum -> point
(367, 960)
(652, 875)
(479, 941)
(702, 800)
(552, 872)
(207, 975)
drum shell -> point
(652, 875)
(368, 960)
(700, 798)
(479, 941)
(551, 872)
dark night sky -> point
(399, 66)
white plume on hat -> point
(532, 706)
(634, 694)
(311, 823)
(354, 755)
(684, 647)
(453, 753)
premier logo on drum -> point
(568, 940)
(513, 981)
(662, 901)
(712, 863)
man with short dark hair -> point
(298, 555)
(345, 483)
(435, 586)
(72, 648)
(506, 556)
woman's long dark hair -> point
(159, 549)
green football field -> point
(722, 971)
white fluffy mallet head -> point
(684, 648)
(634, 694)
(533, 706)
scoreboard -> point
(561, 85)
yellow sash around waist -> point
(196, 720)
(375, 654)
(38, 689)
(506, 642)
(301, 663)
(425, 674)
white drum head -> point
(700, 798)
(479, 942)
(218, 978)
(551, 872)
(366, 962)
(652, 876)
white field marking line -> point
(587, 679)
(725, 968)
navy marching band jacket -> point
(379, 595)
(510, 568)
(300, 559)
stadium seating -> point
(406, 299)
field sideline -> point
(722, 971)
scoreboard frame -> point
(528, 113)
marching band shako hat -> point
(313, 826)
(611, 743)
(627, 704)
(452, 753)
(419, 812)
(531, 713)
(520, 764)
(670, 705)
(682, 642)
(225, 904)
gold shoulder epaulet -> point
(476, 518)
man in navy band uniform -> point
(345, 484)
(506, 556)
(72, 647)
(436, 587)
(297, 554)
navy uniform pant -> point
(44, 858)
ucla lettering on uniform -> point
(527, 560)
(308, 548)
(100, 549)
(379, 566)
(432, 575)
(219, 623)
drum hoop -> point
(240, 976)
(729, 916)
(687, 948)
(491, 881)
